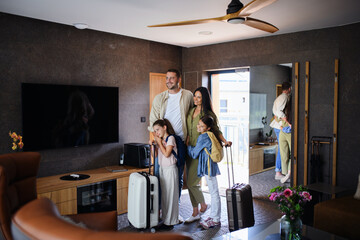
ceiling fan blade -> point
(190, 22)
(261, 25)
(254, 6)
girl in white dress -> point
(169, 179)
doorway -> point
(230, 93)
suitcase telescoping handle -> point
(232, 167)
(146, 155)
(153, 147)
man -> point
(279, 116)
(172, 104)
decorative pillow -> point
(70, 220)
(357, 194)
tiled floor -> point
(264, 210)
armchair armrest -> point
(41, 220)
(100, 221)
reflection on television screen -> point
(58, 116)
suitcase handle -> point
(232, 167)
(151, 203)
(154, 145)
(146, 156)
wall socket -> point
(143, 119)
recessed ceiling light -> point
(205, 33)
(80, 25)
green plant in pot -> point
(269, 136)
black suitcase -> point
(239, 202)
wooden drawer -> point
(122, 185)
(256, 161)
(68, 207)
(44, 195)
(122, 199)
(122, 182)
(61, 195)
(64, 199)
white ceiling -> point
(131, 17)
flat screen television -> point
(62, 116)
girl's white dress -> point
(169, 182)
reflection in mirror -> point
(263, 80)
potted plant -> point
(291, 201)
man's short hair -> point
(285, 86)
(178, 75)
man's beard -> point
(172, 87)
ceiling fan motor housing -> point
(234, 6)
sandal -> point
(210, 224)
(208, 206)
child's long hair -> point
(165, 122)
(210, 122)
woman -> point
(202, 107)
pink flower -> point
(273, 196)
(288, 193)
(307, 196)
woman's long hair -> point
(206, 105)
(287, 111)
(210, 122)
(165, 122)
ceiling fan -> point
(235, 13)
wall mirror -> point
(265, 80)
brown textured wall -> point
(34, 51)
(320, 47)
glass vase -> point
(290, 229)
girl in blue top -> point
(207, 168)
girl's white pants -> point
(215, 209)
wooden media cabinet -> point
(64, 193)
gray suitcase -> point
(239, 202)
